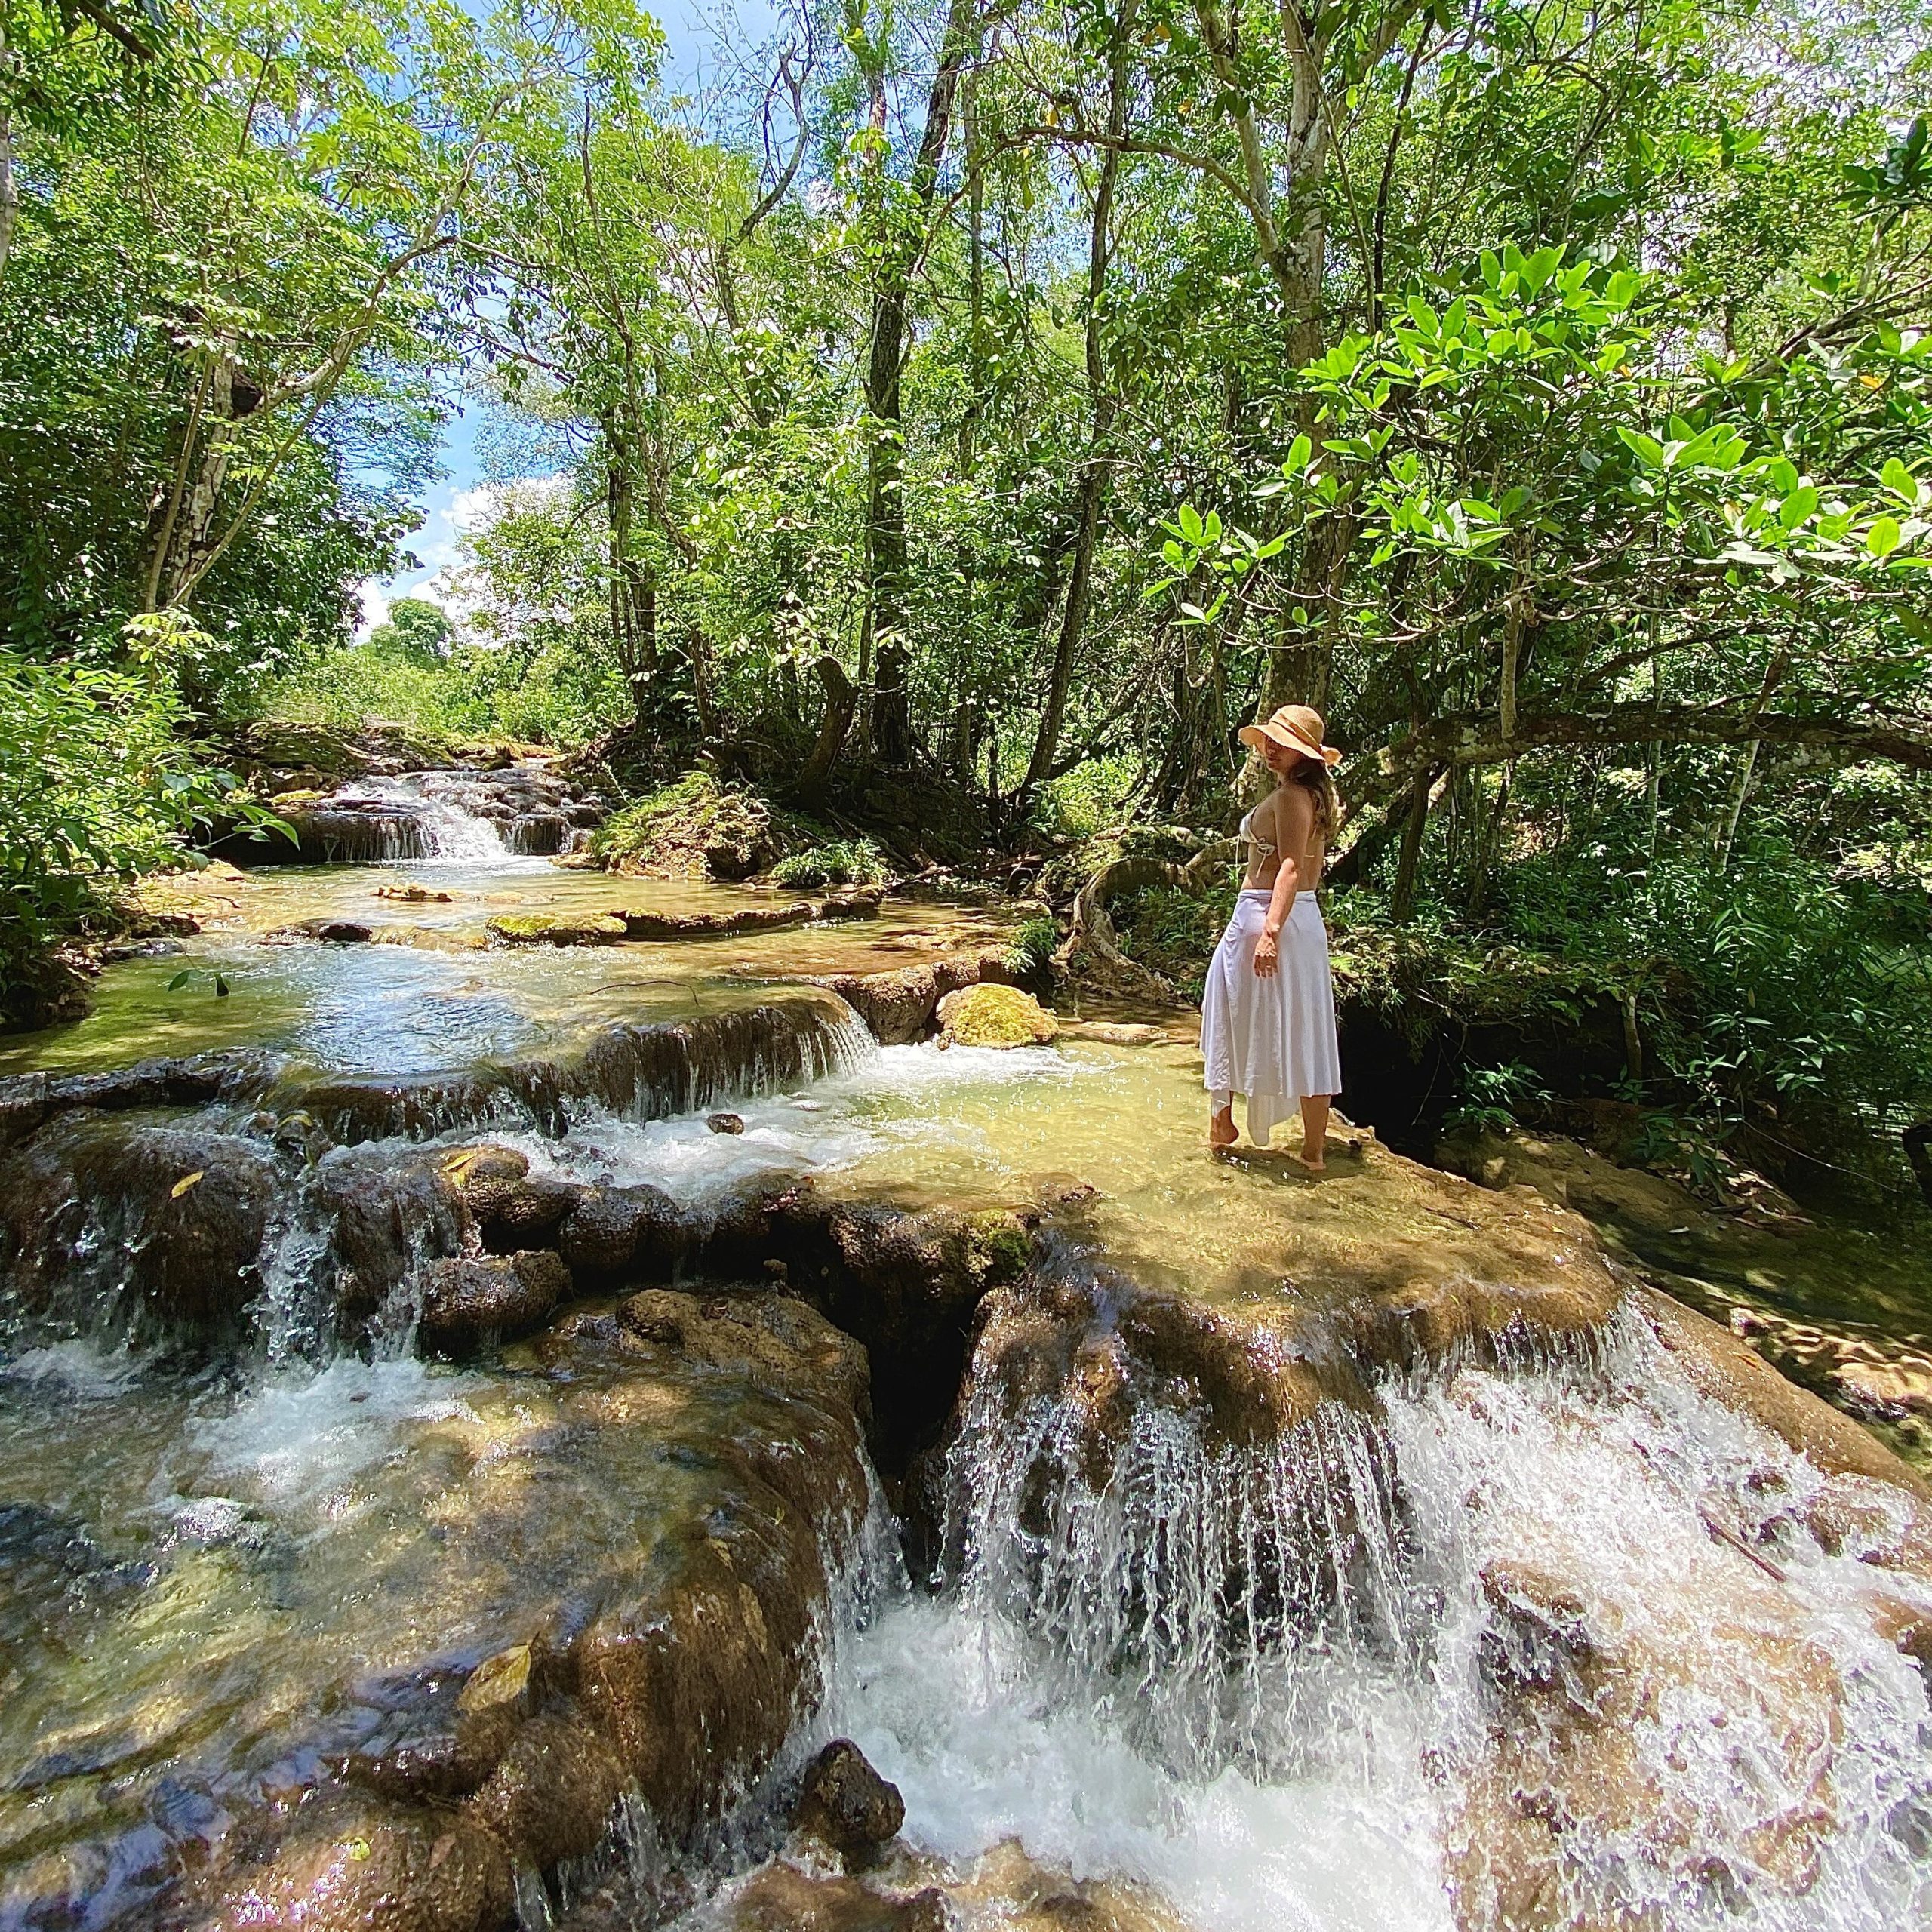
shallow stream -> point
(222, 1573)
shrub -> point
(96, 786)
(843, 861)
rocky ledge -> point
(656, 1685)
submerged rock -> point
(993, 1015)
(343, 1866)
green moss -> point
(558, 929)
(1000, 1247)
(693, 825)
(993, 1016)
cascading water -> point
(1495, 1671)
(412, 818)
(1529, 1635)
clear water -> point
(230, 1563)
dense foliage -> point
(1022, 395)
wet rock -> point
(345, 1866)
(552, 1794)
(781, 1898)
(897, 1008)
(340, 932)
(558, 928)
(907, 1283)
(50, 1568)
(468, 1304)
(612, 1234)
(142, 948)
(774, 1340)
(991, 1015)
(725, 1123)
(846, 1803)
(512, 1208)
(651, 924)
(135, 1226)
(1692, 1721)
(1726, 1368)
(385, 1215)
(357, 1107)
(28, 1101)
(697, 1690)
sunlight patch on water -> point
(296, 1439)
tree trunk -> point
(976, 282)
(842, 698)
(184, 528)
(1402, 899)
(9, 193)
(1740, 791)
(885, 494)
(632, 585)
(1488, 843)
(1093, 485)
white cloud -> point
(451, 515)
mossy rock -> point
(693, 826)
(558, 928)
(993, 1015)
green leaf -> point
(1647, 450)
(1884, 537)
(1899, 481)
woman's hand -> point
(1267, 957)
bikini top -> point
(1248, 836)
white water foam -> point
(450, 831)
(300, 1439)
(999, 1715)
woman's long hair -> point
(1311, 774)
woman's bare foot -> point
(1314, 1155)
(1221, 1134)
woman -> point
(1268, 1015)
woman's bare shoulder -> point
(1293, 810)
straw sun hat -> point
(1295, 728)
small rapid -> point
(1549, 1630)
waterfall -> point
(1188, 1584)
(1418, 1667)
(420, 819)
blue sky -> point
(453, 503)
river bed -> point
(231, 1570)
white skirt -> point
(1273, 1040)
